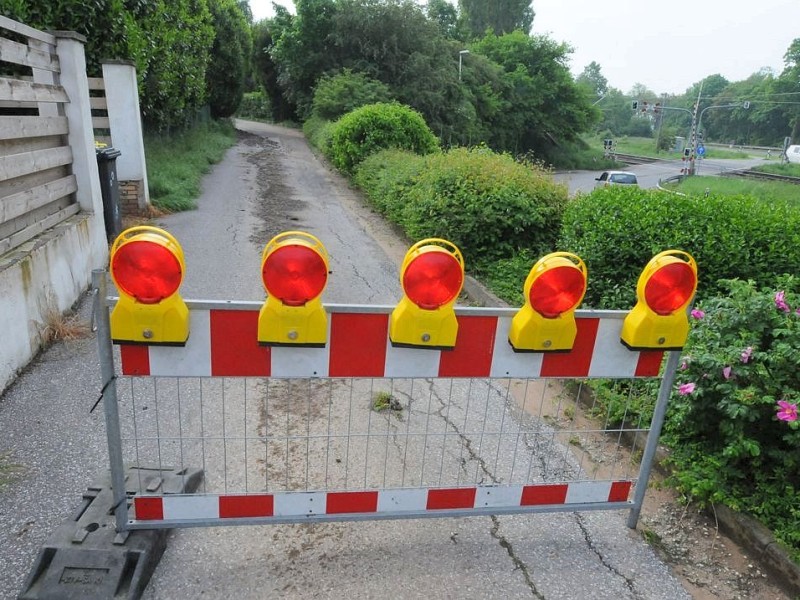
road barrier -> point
(367, 414)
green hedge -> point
(616, 231)
(375, 127)
(486, 203)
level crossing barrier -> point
(361, 427)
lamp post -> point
(461, 54)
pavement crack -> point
(467, 443)
(518, 563)
(629, 583)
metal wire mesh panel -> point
(267, 436)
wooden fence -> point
(37, 183)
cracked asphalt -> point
(268, 183)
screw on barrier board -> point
(86, 558)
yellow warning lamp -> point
(432, 275)
(554, 288)
(663, 293)
(147, 267)
(294, 268)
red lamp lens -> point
(433, 279)
(149, 272)
(294, 274)
(557, 290)
(669, 288)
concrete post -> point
(122, 99)
(69, 48)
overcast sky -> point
(666, 46)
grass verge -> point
(767, 191)
(177, 162)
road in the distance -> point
(650, 174)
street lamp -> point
(461, 54)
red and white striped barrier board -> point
(223, 343)
(396, 503)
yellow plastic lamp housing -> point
(554, 288)
(147, 267)
(432, 275)
(294, 269)
(665, 289)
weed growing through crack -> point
(385, 401)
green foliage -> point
(122, 37)
(225, 76)
(336, 95)
(176, 163)
(617, 230)
(790, 169)
(542, 106)
(728, 445)
(487, 204)
(255, 105)
(386, 178)
(376, 127)
(180, 34)
(499, 16)
(318, 131)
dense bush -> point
(486, 203)
(386, 178)
(733, 421)
(230, 55)
(337, 95)
(616, 231)
(255, 105)
(377, 127)
(318, 132)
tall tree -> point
(593, 79)
(500, 16)
(445, 15)
(230, 57)
(544, 106)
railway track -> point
(748, 174)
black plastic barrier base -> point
(86, 558)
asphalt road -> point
(650, 174)
(265, 184)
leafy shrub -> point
(318, 133)
(386, 178)
(376, 127)
(616, 231)
(486, 203)
(336, 95)
(740, 376)
(255, 105)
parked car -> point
(616, 178)
(793, 154)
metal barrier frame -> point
(246, 509)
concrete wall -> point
(52, 270)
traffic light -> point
(294, 270)
(432, 275)
(644, 107)
(687, 152)
(147, 267)
(553, 290)
(657, 108)
(663, 293)
(635, 105)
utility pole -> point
(693, 133)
